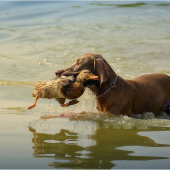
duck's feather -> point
(72, 90)
(52, 88)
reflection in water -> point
(90, 143)
(44, 144)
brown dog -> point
(147, 93)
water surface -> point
(37, 38)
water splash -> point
(124, 122)
(86, 110)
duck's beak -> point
(93, 77)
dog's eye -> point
(77, 63)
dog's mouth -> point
(87, 83)
(60, 73)
(67, 74)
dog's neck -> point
(111, 83)
(111, 86)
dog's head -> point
(90, 61)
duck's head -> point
(85, 75)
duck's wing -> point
(51, 88)
(59, 84)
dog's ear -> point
(101, 70)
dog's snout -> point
(58, 73)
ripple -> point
(124, 122)
(5, 82)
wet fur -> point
(147, 93)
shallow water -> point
(38, 38)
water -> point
(37, 38)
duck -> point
(63, 88)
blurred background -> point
(38, 38)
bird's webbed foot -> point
(72, 102)
(33, 105)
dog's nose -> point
(58, 73)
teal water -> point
(37, 38)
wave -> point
(8, 82)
